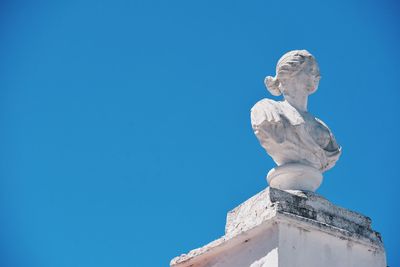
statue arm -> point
(265, 110)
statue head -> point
(297, 67)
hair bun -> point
(272, 84)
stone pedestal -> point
(289, 229)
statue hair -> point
(288, 65)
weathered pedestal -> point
(288, 229)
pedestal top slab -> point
(302, 205)
(273, 207)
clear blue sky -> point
(125, 133)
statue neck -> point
(299, 102)
(296, 96)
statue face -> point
(310, 79)
(306, 79)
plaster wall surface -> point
(299, 247)
(261, 248)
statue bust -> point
(301, 145)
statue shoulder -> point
(266, 110)
(273, 111)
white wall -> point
(262, 247)
(300, 248)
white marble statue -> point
(301, 145)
